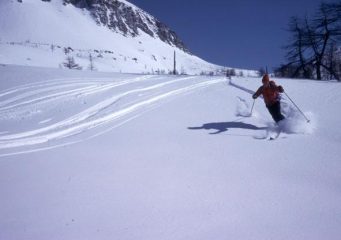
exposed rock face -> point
(121, 17)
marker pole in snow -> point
(297, 107)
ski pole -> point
(297, 107)
(253, 104)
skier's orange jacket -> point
(269, 90)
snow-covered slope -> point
(90, 155)
(119, 36)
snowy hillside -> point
(119, 36)
(90, 155)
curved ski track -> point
(32, 114)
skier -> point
(270, 92)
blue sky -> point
(237, 33)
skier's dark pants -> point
(275, 111)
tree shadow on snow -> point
(225, 126)
(241, 87)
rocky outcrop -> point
(121, 17)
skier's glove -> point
(280, 89)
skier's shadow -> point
(225, 126)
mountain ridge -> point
(126, 18)
(115, 36)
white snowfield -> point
(90, 155)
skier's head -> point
(265, 79)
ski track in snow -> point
(135, 99)
(57, 86)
